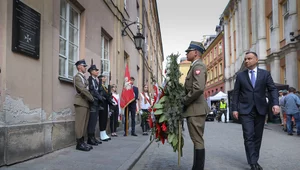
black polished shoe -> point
(259, 167)
(133, 134)
(97, 141)
(91, 141)
(253, 167)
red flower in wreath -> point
(164, 127)
(150, 121)
(157, 130)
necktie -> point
(95, 84)
(253, 79)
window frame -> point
(285, 17)
(103, 59)
(66, 57)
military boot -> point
(199, 159)
(80, 146)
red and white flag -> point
(127, 95)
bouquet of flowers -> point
(168, 110)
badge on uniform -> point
(197, 72)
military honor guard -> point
(94, 106)
(195, 105)
(103, 111)
(81, 103)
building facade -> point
(213, 58)
(184, 67)
(36, 104)
(271, 28)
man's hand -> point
(236, 114)
(276, 109)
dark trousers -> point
(114, 118)
(289, 123)
(223, 111)
(94, 113)
(132, 113)
(253, 127)
(103, 114)
(144, 122)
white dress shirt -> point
(255, 73)
(143, 104)
(115, 95)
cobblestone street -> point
(225, 150)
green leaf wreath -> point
(168, 110)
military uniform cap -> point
(81, 62)
(101, 75)
(194, 45)
(93, 67)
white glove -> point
(109, 114)
(141, 112)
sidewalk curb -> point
(135, 156)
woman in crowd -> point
(116, 109)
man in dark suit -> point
(132, 108)
(250, 106)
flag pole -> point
(179, 142)
(126, 121)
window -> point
(208, 73)
(285, 15)
(220, 48)
(68, 39)
(271, 22)
(105, 63)
(220, 69)
(211, 56)
(216, 52)
(216, 72)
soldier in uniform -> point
(94, 106)
(81, 104)
(104, 106)
(195, 105)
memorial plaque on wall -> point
(26, 30)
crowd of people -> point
(289, 101)
(97, 101)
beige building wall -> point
(36, 105)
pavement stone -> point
(120, 153)
(225, 150)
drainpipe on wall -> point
(144, 33)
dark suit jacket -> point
(245, 97)
(132, 105)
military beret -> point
(194, 45)
(81, 62)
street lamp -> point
(139, 39)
